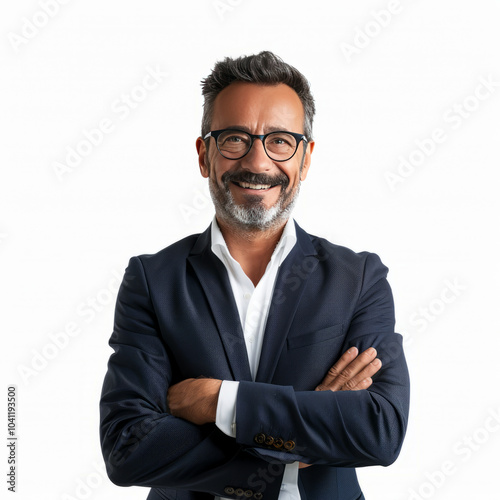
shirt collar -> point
(283, 248)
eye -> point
(281, 141)
(233, 138)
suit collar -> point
(290, 284)
(214, 280)
(203, 242)
(219, 247)
(291, 281)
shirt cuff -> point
(289, 486)
(225, 418)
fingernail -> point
(376, 362)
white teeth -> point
(247, 185)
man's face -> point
(255, 192)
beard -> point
(253, 215)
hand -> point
(350, 373)
(195, 400)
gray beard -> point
(255, 217)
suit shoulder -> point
(172, 255)
(366, 265)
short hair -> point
(264, 68)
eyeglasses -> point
(235, 144)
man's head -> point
(255, 189)
(264, 68)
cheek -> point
(210, 163)
(217, 170)
(293, 175)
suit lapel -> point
(291, 280)
(290, 283)
(215, 283)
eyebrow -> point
(268, 129)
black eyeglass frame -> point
(298, 137)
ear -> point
(307, 160)
(202, 154)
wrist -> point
(214, 389)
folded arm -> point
(199, 400)
(142, 442)
(346, 428)
(343, 428)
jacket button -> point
(249, 493)
(229, 490)
(260, 438)
(258, 496)
(278, 443)
(239, 492)
(289, 445)
(269, 440)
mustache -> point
(245, 176)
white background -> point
(65, 239)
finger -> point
(339, 380)
(337, 368)
(364, 384)
(347, 378)
(363, 375)
(366, 371)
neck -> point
(251, 248)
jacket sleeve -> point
(141, 442)
(345, 428)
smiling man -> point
(253, 360)
(258, 185)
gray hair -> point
(264, 68)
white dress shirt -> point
(253, 307)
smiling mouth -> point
(256, 187)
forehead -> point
(258, 107)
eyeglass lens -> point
(278, 145)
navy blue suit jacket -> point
(176, 318)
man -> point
(245, 361)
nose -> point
(256, 160)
